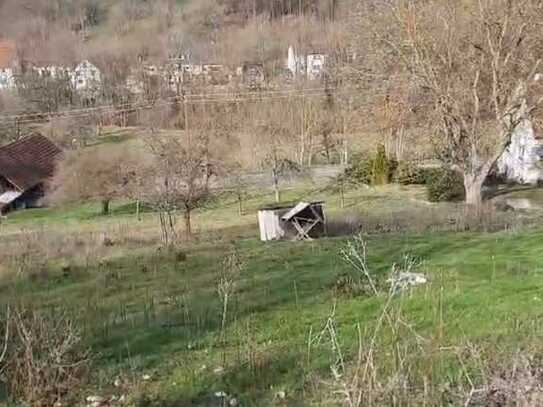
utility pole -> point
(186, 115)
(302, 132)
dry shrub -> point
(347, 223)
(124, 234)
(454, 218)
(69, 133)
(28, 253)
(45, 360)
(516, 382)
(484, 379)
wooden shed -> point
(304, 221)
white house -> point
(7, 79)
(53, 71)
(315, 66)
(7, 63)
(310, 66)
(86, 76)
(296, 64)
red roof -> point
(28, 162)
(7, 53)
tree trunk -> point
(240, 204)
(276, 186)
(105, 207)
(474, 189)
(188, 223)
(163, 227)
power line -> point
(201, 99)
(185, 98)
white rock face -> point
(520, 162)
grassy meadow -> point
(297, 329)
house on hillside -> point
(215, 74)
(253, 75)
(25, 167)
(7, 78)
(310, 66)
(315, 66)
(7, 64)
(52, 71)
(86, 76)
(295, 63)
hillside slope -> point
(226, 31)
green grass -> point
(146, 311)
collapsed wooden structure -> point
(304, 221)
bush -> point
(361, 172)
(45, 361)
(408, 173)
(381, 168)
(378, 170)
(444, 185)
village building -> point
(253, 75)
(86, 76)
(170, 74)
(215, 74)
(191, 70)
(25, 167)
(7, 79)
(7, 64)
(310, 66)
(176, 72)
(53, 71)
(315, 66)
(295, 64)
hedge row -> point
(442, 184)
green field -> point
(154, 317)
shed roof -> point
(302, 206)
(276, 207)
(28, 162)
(9, 196)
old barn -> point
(25, 166)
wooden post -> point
(342, 194)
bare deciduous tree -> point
(177, 179)
(473, 69)
(100, 174)
(276, 158)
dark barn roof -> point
(28, 162)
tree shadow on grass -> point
(506, 189)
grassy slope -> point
(149, 312)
